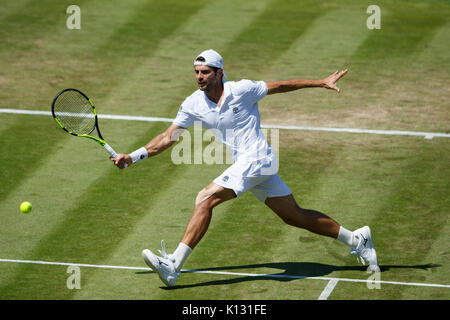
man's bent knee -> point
(213, 192)
(206, 193)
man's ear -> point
(220, 72)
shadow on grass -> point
(291, 271)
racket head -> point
(74, 112)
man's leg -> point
(206, 200)
(168, 267)
(290, 212)
(360, 240)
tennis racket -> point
(75, 113)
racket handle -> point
(111, 152)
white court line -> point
(426, 135)
(328, 289)
(278, 276)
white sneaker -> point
(365, 251)
(164, 265)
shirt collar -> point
(226, 95)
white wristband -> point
(139, 154)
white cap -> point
(212, 59)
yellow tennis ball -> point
(25, 207)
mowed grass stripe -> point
(403, 30)
(322, 49)
(49, 185)
(432, 55)
(28, 53)
(420, 99)
(31, 19)
(404, 198)
(416, 209)
(10, 7)
(24, 149)
(55, 57)
(258, 47)
(366, 101)
(437, 253)
(384, 101)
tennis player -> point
(231, 109)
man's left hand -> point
(330, 81)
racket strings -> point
(74, 112)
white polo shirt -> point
(236, 122)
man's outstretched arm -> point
(295, 84)
(157, 145)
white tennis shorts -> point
(260, 177)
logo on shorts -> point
(225, 179)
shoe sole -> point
(147, 260)
(372, 267)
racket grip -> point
(111, 152)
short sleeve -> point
(255, 90)
(183, 119)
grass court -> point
(135, 58)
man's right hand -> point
(122, 161)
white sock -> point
(347, 237)
(181, 254)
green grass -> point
(136, 59)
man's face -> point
(207, 78)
